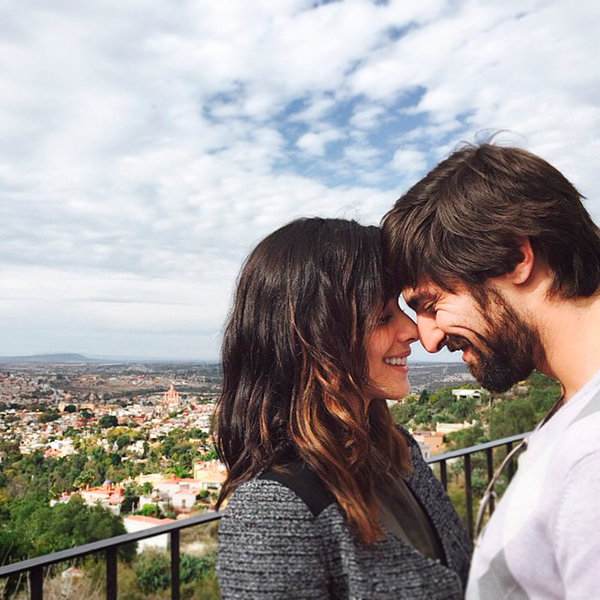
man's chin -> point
(492, 377)
(473, 366)
(495, 386)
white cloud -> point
(314, 143)
(367, 117)
(524, 67)
(410, 161)
(318, 109)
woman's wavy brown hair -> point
(295, 373)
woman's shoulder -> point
(304, 483)
(290, 486)
(267, 520)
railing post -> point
(469, 494)
(490, 475)
(36, 583)
(443, 475)
(111, 573)
(510, 470)
(175, 565)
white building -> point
(210, 475)
(464, 393)
(135, 523)
(445, 428)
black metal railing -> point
(466, 453)
(34, 567)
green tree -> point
(35, 528)
(509, 417)
(153, 571)
(401, 413)
(211, 454)
(150, 510)
(131, 497)
(196, 567)
(463, 408)
(114, 459)
(442, 398)
(106, 421)
(197, 433)
(471, 436)
(47, 417)
(154, 574)
(423, 415)
(86, 477)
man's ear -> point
(523, 269)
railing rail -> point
(35, 566)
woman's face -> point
(388, 347)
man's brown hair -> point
(465, 220)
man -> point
(498, 257)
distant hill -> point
(435, 375)
(46, 359)
(74, 358)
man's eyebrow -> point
(417, 300)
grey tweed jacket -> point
(285, 537)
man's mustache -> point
(456, 342)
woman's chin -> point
(389, 395)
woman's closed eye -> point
(384, 319)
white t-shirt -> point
(543, 540)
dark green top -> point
(402, 515)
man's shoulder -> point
(581, 433)
(580, 439)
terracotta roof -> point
(148, 520)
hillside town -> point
(91, 450)
(51, 407)
(126, 415)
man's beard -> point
(507, 351)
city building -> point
(135, 523)
(171, 400)
(463, 394)
(211, 475)
(107, 495)
(433, 440)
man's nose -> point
(432, 337)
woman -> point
(331, 500)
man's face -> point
(498, 346)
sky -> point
(146, 147)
